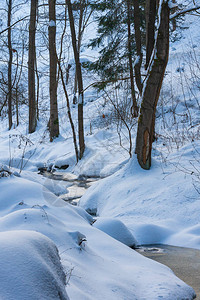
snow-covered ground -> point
(160, 206)
(133, 206)
(96, 265)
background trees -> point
(129, 35)
(12, 44)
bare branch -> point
(4, 30)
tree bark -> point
(10, 65)
(150, 14)
(31, 68)
(54, 123)
(80, 81)
(81, 11)
(152, 91)
(17, 107)
(138, 63)
(134, 101)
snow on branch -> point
(185, 11)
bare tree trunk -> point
(10, 65)
(17, 85)
(152, 91)
(138, 63)
(80, 81)
(17, 107)
(31, 68)
(134, 101)
(150, 28)
(54, 124)
(38, 90)
(69, 111)
(82, 6)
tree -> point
(12, 44)
(112, 37)
(156, 71)
(84, 14)
(120, 29)
(10, 65)
(54, 123)
(79, 79)
(31, 67)
(134, 101)
(150, 15)
(138, 43)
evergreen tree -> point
(112, 17)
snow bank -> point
(96, 265)
(30, 267)
(158, 206)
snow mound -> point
(30, 267)
(116, 229)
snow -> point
(116, 229)
(52, 23)
(92, 260)
(133, 206)
(30, 267)
(172, 4)
(156, 206)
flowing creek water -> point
(184, 262)
(76, 186)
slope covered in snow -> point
(158, 206)
(93, 262)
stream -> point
(76, 186)
(184, 262)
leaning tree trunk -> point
(10, 65)
(54, 124)
(79, 79)
(152, 91)
(31, 68)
